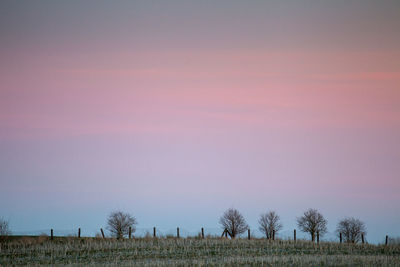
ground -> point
(191, 251)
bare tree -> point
(118, 223)
(233, 222)
(269, 222)
(351, 229)
(4, 228)
(312, 222)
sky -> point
(175, 111)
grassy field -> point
(191, 251)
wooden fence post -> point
(248, 234)
(202, 232)
(177, 232)
(294, 235)
(79, 232)
(51, 234)
(317, 237)
(102, 233)
(130, 232)
(386, 241)
(154, 232)
(362, 238)
(273, 234)
(340, 236)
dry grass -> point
(192, 251)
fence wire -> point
(142, 232)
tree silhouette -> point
(118, 223)
(351, 229)
(233, 222)
(312, 222)
(269, 222)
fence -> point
(202, 232)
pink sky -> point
(259, 106)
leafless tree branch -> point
(312, 222)
(118, 223)
(233, 222)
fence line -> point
(180, 232)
